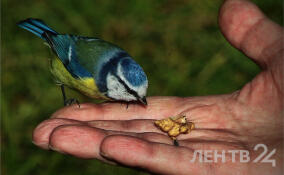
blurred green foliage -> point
(178, 43)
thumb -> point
(154, 157)
(248, 29)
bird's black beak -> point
(143, 101)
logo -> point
(242, 156)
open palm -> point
(236, 121)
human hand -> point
(114, 134)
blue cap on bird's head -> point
(124, 79)
(132, 72)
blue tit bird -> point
(95, 67)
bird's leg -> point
(66, 101)
(63, 94)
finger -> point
(84, 141)
(77, 140)
(157, 108)
(42, 132)
(157, 158)
(200, 144)
(138, 125)
(248, 29)
(142, 128)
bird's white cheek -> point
(142, 90)
(116, 90)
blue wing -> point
(63, 45)
(65, 48)
(85, 56)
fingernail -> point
(108, 159)
(104, 155)
(43, 145)
(55, 149)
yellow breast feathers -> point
(86, 85)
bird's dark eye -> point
(129, 90)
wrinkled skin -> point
(240, 120)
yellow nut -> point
(165, 125)
(175, 126)
(174, 131)
(184, 129)
(181, 120)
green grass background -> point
(178, 43)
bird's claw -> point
(71, 101)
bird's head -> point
(125, 80)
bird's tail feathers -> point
(37, 27)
